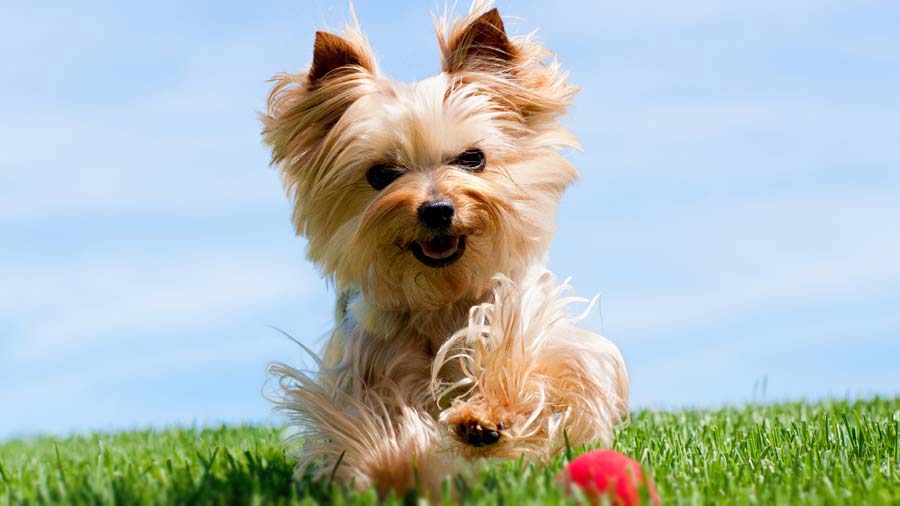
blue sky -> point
(738, 205)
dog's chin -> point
(441, 251)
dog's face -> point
(419, 193)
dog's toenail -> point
(476, 435)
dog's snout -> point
(436, 213)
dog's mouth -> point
(440, 251)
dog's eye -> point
(379, 176)
(471, 159)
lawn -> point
(834, 452)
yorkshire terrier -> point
(431, 207)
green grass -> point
(824, 453)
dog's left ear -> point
(517, 71)
(481, 44)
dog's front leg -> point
(367, 420)
(528, 378)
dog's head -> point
(419, 193)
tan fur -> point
(529, 372)
(371, 399)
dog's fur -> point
(518, 370)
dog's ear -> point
(480, 44)
(303, 108)
(517, 71)
(333, 55)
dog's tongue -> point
(440, 247)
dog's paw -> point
(473, 425)
(476, 434)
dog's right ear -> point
(303, 108)
(334, 55)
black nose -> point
(436, 213)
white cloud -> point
(82, 305)
(101, 391)
(638, 18)
(717, 261)
(94, 141)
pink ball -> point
(608, 473)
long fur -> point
(371, 399)
(529, 372)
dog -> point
(430, 207)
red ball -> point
(609, 474)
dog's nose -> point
(436, 213)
